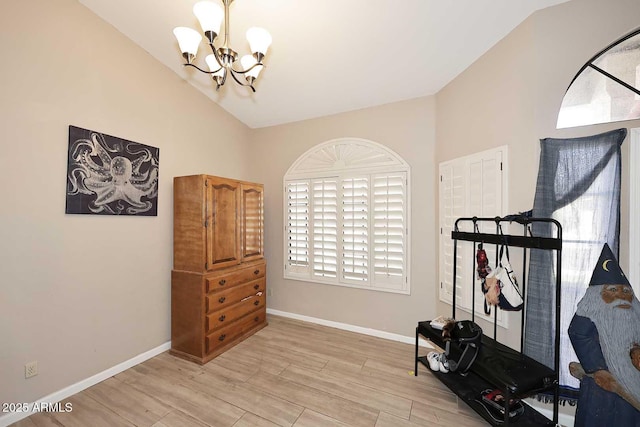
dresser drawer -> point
(226, 335)
(228, 315)
(219, 300)
(224, 281)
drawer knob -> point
(256, 302)
(256, 319)
(222, 282)
(256, 272)
(221, 318)
(222, 299)
(256, 287)
(222, 337)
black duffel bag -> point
(467, 337)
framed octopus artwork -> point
(107, 175)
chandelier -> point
(223, 60)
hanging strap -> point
(504, 248)
(487, 307)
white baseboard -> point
(59, 395)
(352, 328)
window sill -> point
(406, 291)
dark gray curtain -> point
(578, 185)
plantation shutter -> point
(347, 217)
(325, 228)
(297, 226)
(389, 229)
(355, 228)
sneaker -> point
(443, 366)
(434, 360)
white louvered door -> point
(485, 200)
(452, 207)
(470, 186)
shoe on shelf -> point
(443, 365)
(434, 360)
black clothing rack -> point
(526, 241)
(516, 374)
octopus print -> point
(109, 175)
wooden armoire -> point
(218, 281)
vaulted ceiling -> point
(329, 56)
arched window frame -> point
(603, 106)
(324, 191)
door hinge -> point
(206, 223)
(500, 165)
(206, 265)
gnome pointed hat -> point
(607, 270)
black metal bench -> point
(496, 366)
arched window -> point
(606, 89)
(347, 216)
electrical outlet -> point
(269, 292)
(31, 369)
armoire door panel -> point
(252, 218)
(223, 227)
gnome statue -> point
(605, 334)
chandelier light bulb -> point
(210, 16)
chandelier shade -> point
(250, 64)
(214, 67)
(259, 40)
(223, 60)
(188, 40)
(210, 16)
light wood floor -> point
(290, 373)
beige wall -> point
(406, 128)
(82, 293)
